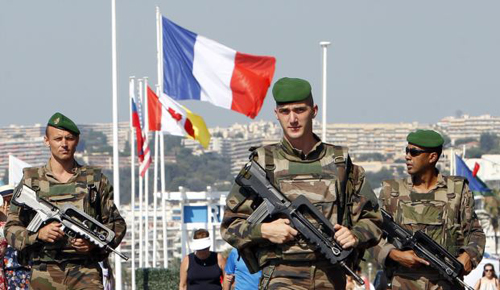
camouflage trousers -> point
(66, 275)
(310, 277)
(419, 282)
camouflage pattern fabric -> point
(310, 277)
(87, 189)
(420, 282)
(316, 176)
(66, 276)
(446, 214)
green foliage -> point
(126, 150)
(190, 171)
(370, 157)
(5, 178)
(94, 142)
(197, 172)
(376, 178)
(447, 140)
(172, 142)
(492, 206)
(464, 141)
(488, 144)
(474, 152)
(157, 279)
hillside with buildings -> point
(206, 174)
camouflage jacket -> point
(87, 189)
(315, 176)
(445, 213)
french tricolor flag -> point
(197, 68)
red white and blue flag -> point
(143, 152)
(197, 68)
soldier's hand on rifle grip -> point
(407, 258)
(464, 258)
(82, 245)
(278, 231)
(51, 232)
(345, 237)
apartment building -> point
(184, 212)
(30, 150)
(469, 126)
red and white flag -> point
(168, 116)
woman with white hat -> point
(203, 269)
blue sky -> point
(390, 61)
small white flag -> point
(16, 166)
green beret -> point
(60, 121)
(425, 138)
(289, 90)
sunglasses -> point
(488, 270)
(414, 152)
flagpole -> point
(141, 188)
(155, 191)
(163, 201)
(146, 181)
(159, 58)
(132, 178)
(324, 45)
(116, 170)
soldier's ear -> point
(315, 110)
(433, 157)
(46, 141)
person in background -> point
(203, 269)
(4, 190)
(13, 275)
(489, 281)
(238, 275)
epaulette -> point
(455, 184)
(394, 184)
(30, 171)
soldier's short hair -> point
(200, 234)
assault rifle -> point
(275, 205)
(426, 248)
(75, 223)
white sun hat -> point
(201, 244)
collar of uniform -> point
(48, 171)
(441, 182)
(295, 153)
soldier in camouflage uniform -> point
(302, 165)
(441, 206)
(60, 262)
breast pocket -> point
(60, 200)
(428, 216)
(322, 193)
